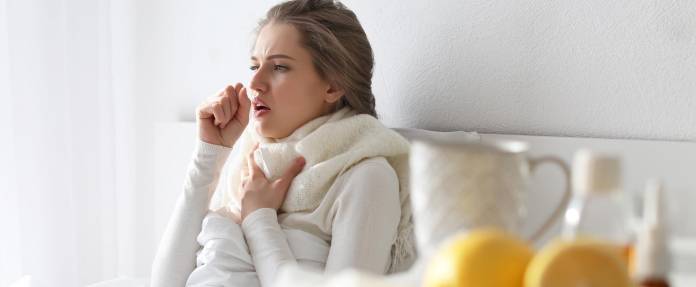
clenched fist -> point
(222, 118)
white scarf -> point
(331, 145)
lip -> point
(258, 101)
(261, 113)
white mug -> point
(461, 186)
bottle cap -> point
(596, 172)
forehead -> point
(277, 39)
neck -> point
(308, 127)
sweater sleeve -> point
(366, 219)
(267, 243)
(176, 254)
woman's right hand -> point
(222, 118)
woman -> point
(321, 184)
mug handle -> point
(560, 209)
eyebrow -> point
(275, 56)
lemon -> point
(581, 262)
(480, 258)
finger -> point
(222, 92)
(284, 181)
(244, 106)
(249, 161)
(225, 102)
(238, 88)
(204, 111)
(244, 175)
(218, 113)
(245, 171)
(253, 168)
(233, 105)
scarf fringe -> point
(403, 252)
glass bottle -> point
(598, 208)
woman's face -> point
(285, 81)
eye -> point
(280, 68)
(254, 67)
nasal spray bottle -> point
(652, 258)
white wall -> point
(619, 69)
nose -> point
(259, 81)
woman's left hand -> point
(258, 192)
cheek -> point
(298, 96)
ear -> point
(333, 94)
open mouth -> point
(258, 103)
(260, 107)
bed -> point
(671, 161)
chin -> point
(261, 130)
(268, 132)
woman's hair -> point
(340, 51)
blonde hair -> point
(340, 51)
